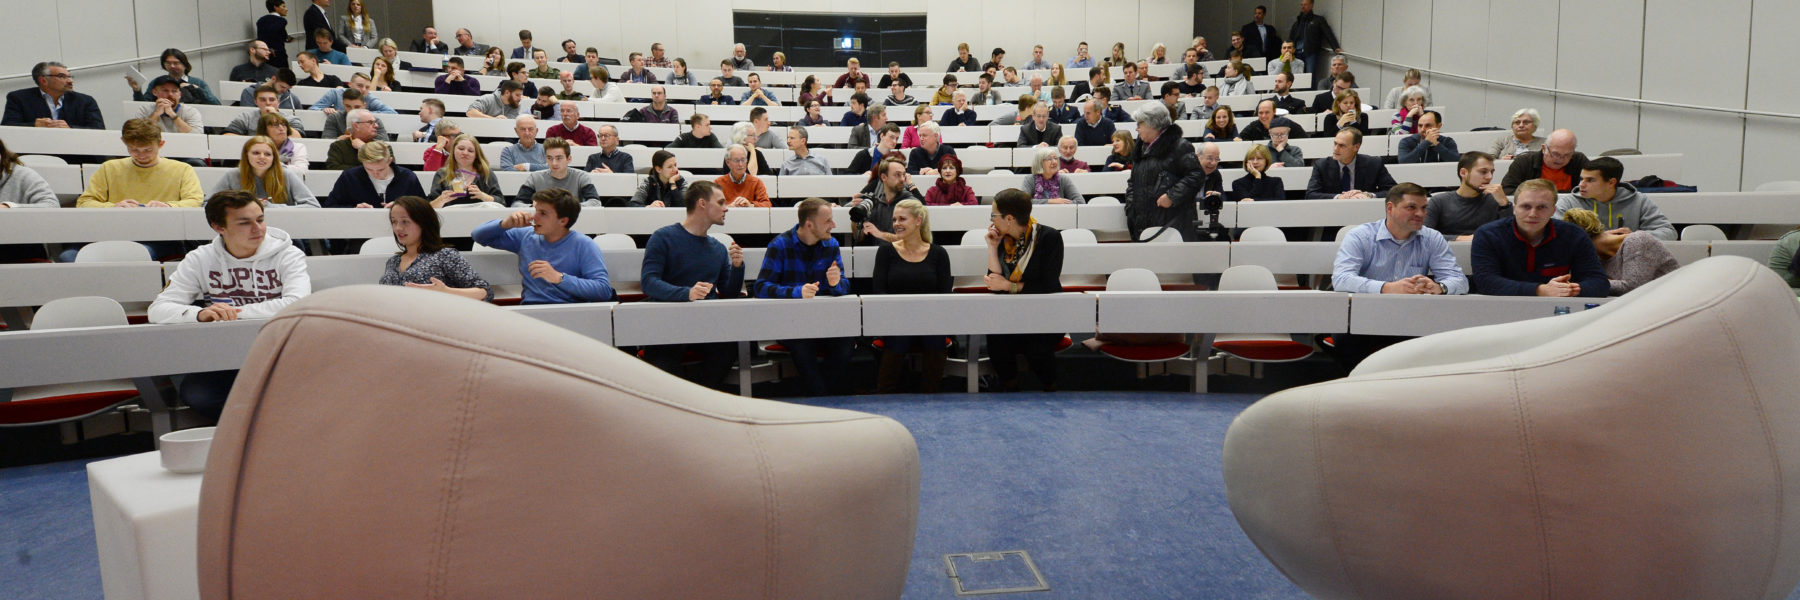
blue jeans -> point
(823, 363)
(206, 392)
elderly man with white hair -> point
(526, 154)
(924, 159)
(740, 59)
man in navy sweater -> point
(684, 264)
(1532, 254)
(559, 266)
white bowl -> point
(185, 451)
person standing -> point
(314, 20)
(683, 263)
(272, 30)
(1314, 40)
(1165, 177)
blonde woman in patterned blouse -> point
(424, 261)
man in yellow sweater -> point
(144, 179)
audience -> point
(950, 188)
(1024, 257)
(375, 182)
(1407, 82)
(699, 134)
(1261, 39)
(1284, 99)
(1524, 136)
(567, 90)
(504, 103)
(1266, 122)
(424, 260)
(911, 264)
(1221, 127)
(439, 153)
(316, 77)
(271, 30)
(804, 262)
(665, 186)
(22, 186)
(325, 48)
(1629, 259)
(1047, 184)
(1412, 105)
(1533, 254)
(887, 142)
(53, 103)
(683, 263)
(1428, 145)
(1256, 184)
(1346, 113)
(1477, 201)
(558, 266)
(1122, 147)
(852, 74)
(1396, 255)
(466, 46)
(144, 178)
(267, 102)
(658, 57)
(1557, 162)
(428, 42)
(381, 73)
(570, 127)
(343, 152)
(260, 172)
(963, 61)
(659, 110)
(778, 62)
(1066, 159)
(558, 175)
(892, 184)
(756, 95)
(960, 114)
(1040, 131)
(526, 154)
(333, 100)
(1237, 80)
(1284, 154)
(609, 159)
(604, 88)
(929, 151)
(1619, 205)
(741, 187)
(876, 117)
(465, 178)
(193, 89)
(315, 19)
(256, 70)
(525, 48)
(493, 62)
(1349, 174)
(1782, 260)
(681, 76)
(1338, 84)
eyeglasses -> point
(60, 76)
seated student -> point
(1257, 184)
(544, 108)
(665, 185)
(897, 96)
(742, 187)
(859, 104)
(559, 266)
(504, 103)
(1412, 104)
(363, 129)
(1782, 260)
(803, 162)
(1060, 111)
(1396, 255)
(1338, 84)
(526, 154)
(456, 80)
(373, 183)
(804, 262)
(193, 89)
(658, 111)
(1531, 253)
(1349, 174)
(1040, 130)
(1103, 97)
(1618, 204)
(465, 178)
(909, 137)
(950, 187)
(699, 134)
(944, 92)
(21, 186)
(1123, 145)
(1427, 145)
(888, 143)
(144, 178)
(315, 76)
(338, 124)
(911, 264)
(716, 94)
(168, 111)
(558, 175)
(1266, 121)
(438, 153)
(1630, 259)
(757, 95)
(1221, 127)
(267, 103)
(258, 68)
(1285, 154)
(259, 172)
(680, 75)
(424, 260)
(683, 263)
(1346, 113)
(333, 100)
(1284, 98)
(570, 127)
(1024, 257)
(542, 70)
(960, 113)
(326, 51)
(1476, 202)
(746, 135)
(1094, 129)
(52, 103)
(1237, 80)
(728, 74)
(1047, 184)
(250, 271)
(890, 184)
(814, 115)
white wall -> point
(1724, 53)
(702, 32)
(84, 32)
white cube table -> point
(146, 525)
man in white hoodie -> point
(250, 271)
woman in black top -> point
(1257, 184)
(1346, 112)
(1122, 147)
(911, 265)
(665, 186)
(424, 261)
(1023, 258)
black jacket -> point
(1030, 136)
(920, 159)
(1255, 132)
(1291, 104)
(1255, 45)
(1525, 167)
(1043, 275)
(1311, 34)
(1327, 179)
(1269, 187)
(353, 187)
(24, 107)
(1166, 166)
(440, 47)
(315, 20)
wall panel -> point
(1712, 143)
(1770, 145)
(1600, 60)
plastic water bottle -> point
(1562, 310)
(1590, 306)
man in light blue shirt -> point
(1398, 254)
(333, 100)
(1081, 61)
(558, 266)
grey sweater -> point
(577, 184)
(298, 193)
(1628, 209)
(24, 187)
(1641, 259)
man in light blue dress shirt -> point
(1396, 255)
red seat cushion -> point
(507, 301)
(1064, 343)
(775, 348)
(882, 345)
(1267, 350)
(1144, 353)
(56, 408)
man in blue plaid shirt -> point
(805, 262)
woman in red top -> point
(950, 188)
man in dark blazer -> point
(1284, 98)
(429, 42)
(1368, 177)
(31, 107)
(1339, 84)
(314, 20)
(1260, 39)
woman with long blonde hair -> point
(465, 177)
(356, 27)
(259, 172)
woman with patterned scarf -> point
(1023, 258)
